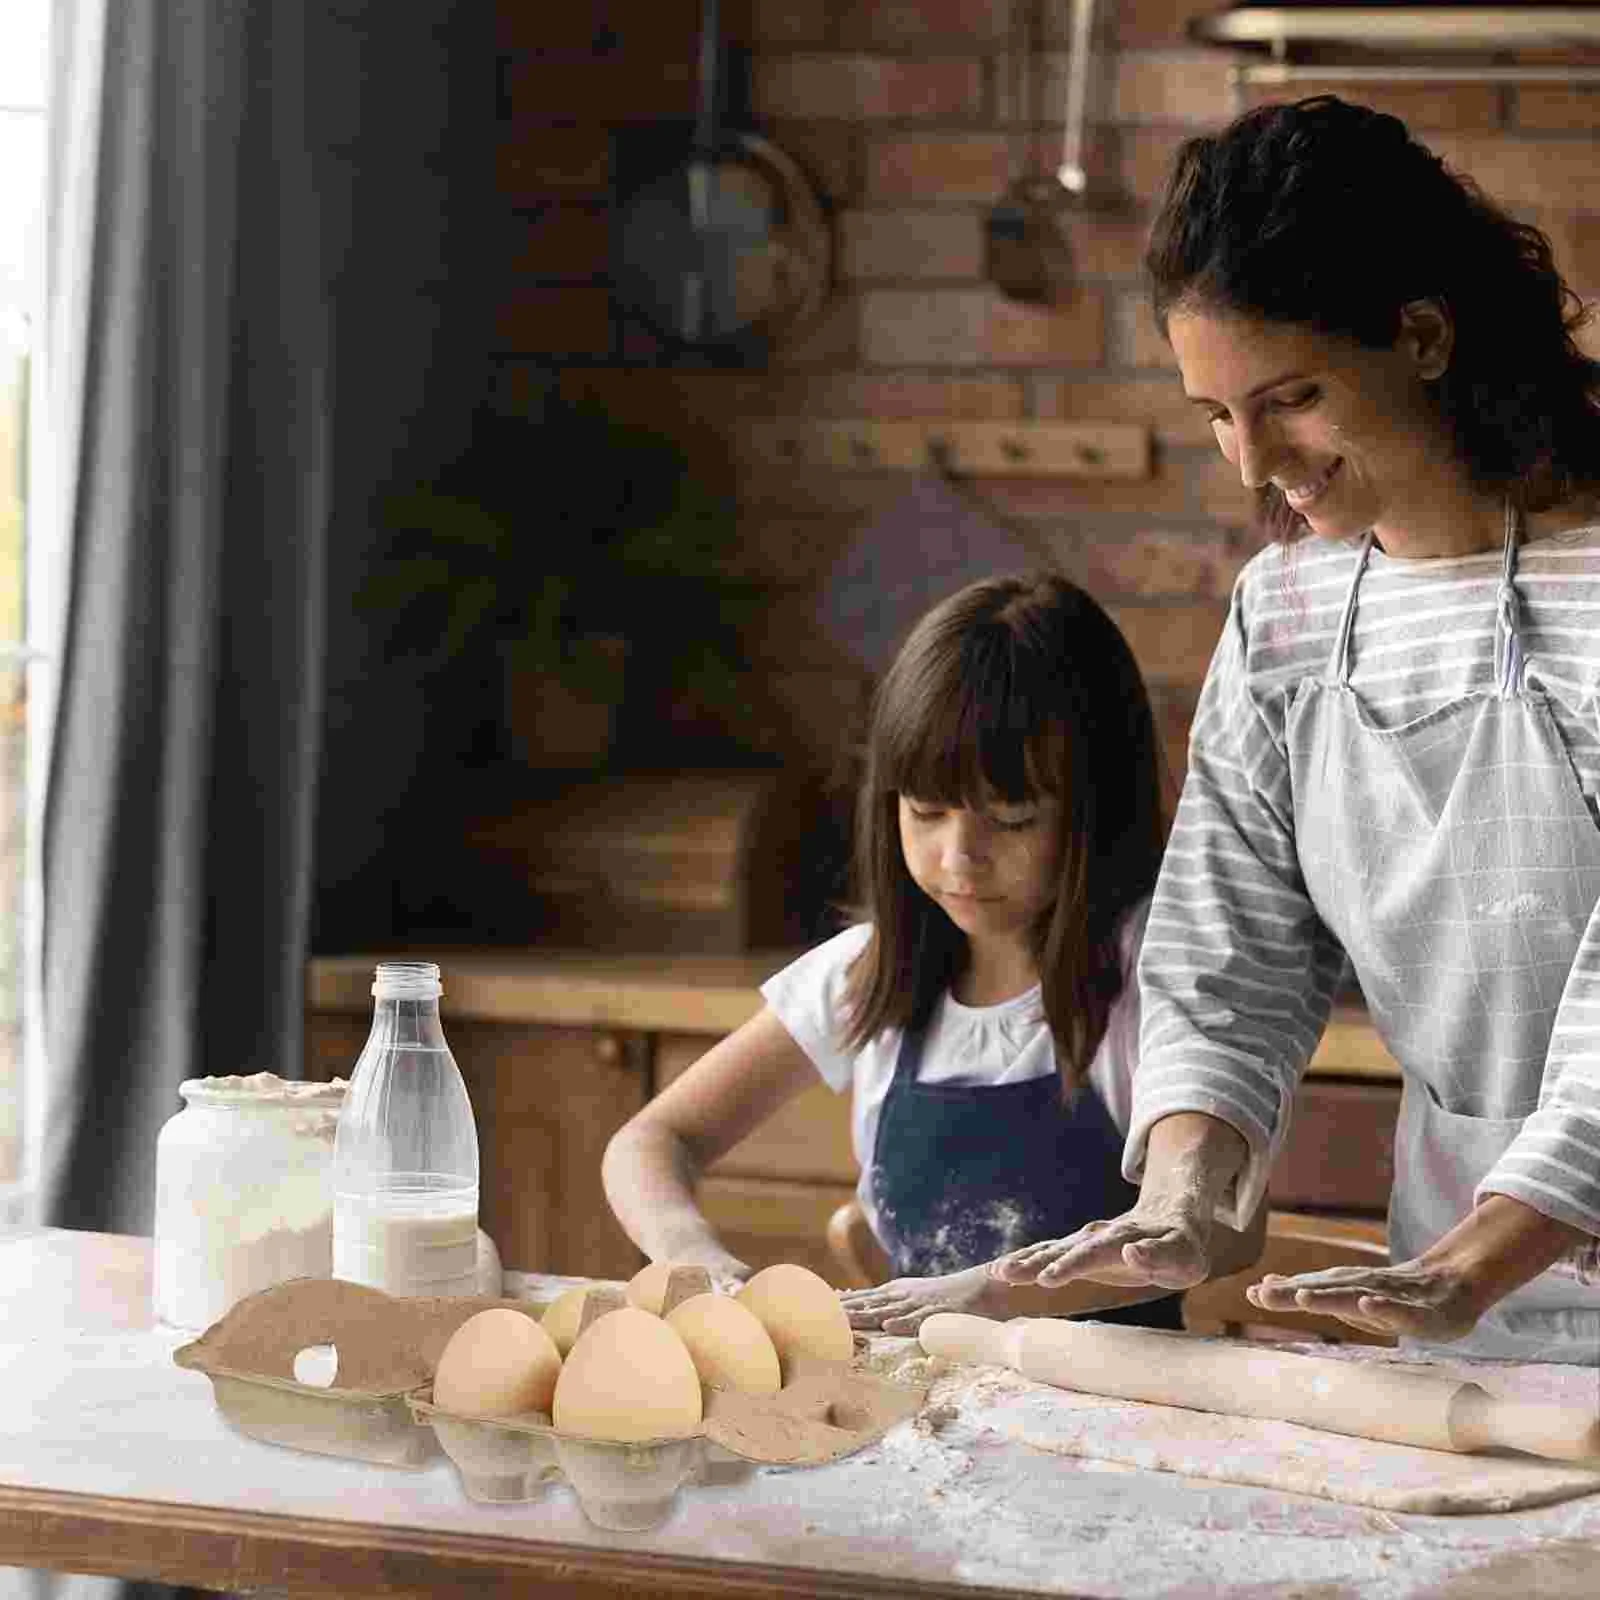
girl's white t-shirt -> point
(981, 1046)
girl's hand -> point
(1415, 1299)
(1167, 1243)
(901, 1305)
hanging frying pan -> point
(728, 246)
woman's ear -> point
(1427, 337)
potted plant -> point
(580, 551)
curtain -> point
(179, 800)
(180, 501)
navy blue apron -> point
(962, 1174)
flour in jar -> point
(242, 1196)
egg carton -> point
(627, 1486)
(379, 1408)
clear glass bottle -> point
(405, 1158)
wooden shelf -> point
(1395, 28)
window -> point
(24, 59)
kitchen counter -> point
(112, 1459)
(674, 993)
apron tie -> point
(1508, 657)
(1338, 669)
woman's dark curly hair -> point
(1331, 216)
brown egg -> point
(562, 1316)
(647, 1288)
(801, 1313)
(498, 1363)
(729, 1347)
(629, 1377)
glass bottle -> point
(405, 1157)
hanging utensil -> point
(729, 247)
(1027, 253)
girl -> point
(982, 1012)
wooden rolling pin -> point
(1174, 1369)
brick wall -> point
(903, 113)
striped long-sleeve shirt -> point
(1238, 971)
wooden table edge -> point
(237, 1549)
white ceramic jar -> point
(243, 1198)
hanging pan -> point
(1027, 250)
(730, 247)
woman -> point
(1396, 755)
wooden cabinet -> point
(546, 1100)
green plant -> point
(549, 537)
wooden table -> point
(113, 1460)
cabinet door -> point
(771, 1196)
(765, 1220)
(807, 1140)
(1339, 1153)
(546, 1100)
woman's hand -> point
(1162, 1241)
(1166, 1239)
(1497, 1247)
(1414, 1299)
(903, 1304)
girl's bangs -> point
(972, 744)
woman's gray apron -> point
(1457, 862)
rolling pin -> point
(1175, 1369)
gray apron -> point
(1456, 860)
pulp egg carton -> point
(374, 1351)
(379, 1407)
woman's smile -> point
(1307, 493)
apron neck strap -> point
(1508, 658)
(1339, 661)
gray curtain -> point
(176, 850)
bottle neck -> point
(413, 1023)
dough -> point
(1264, 1454)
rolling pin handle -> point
(978, 1341)
(1483, 1421)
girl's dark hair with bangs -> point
(1331, 216)
(1012, 687)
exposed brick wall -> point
(904, 114)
